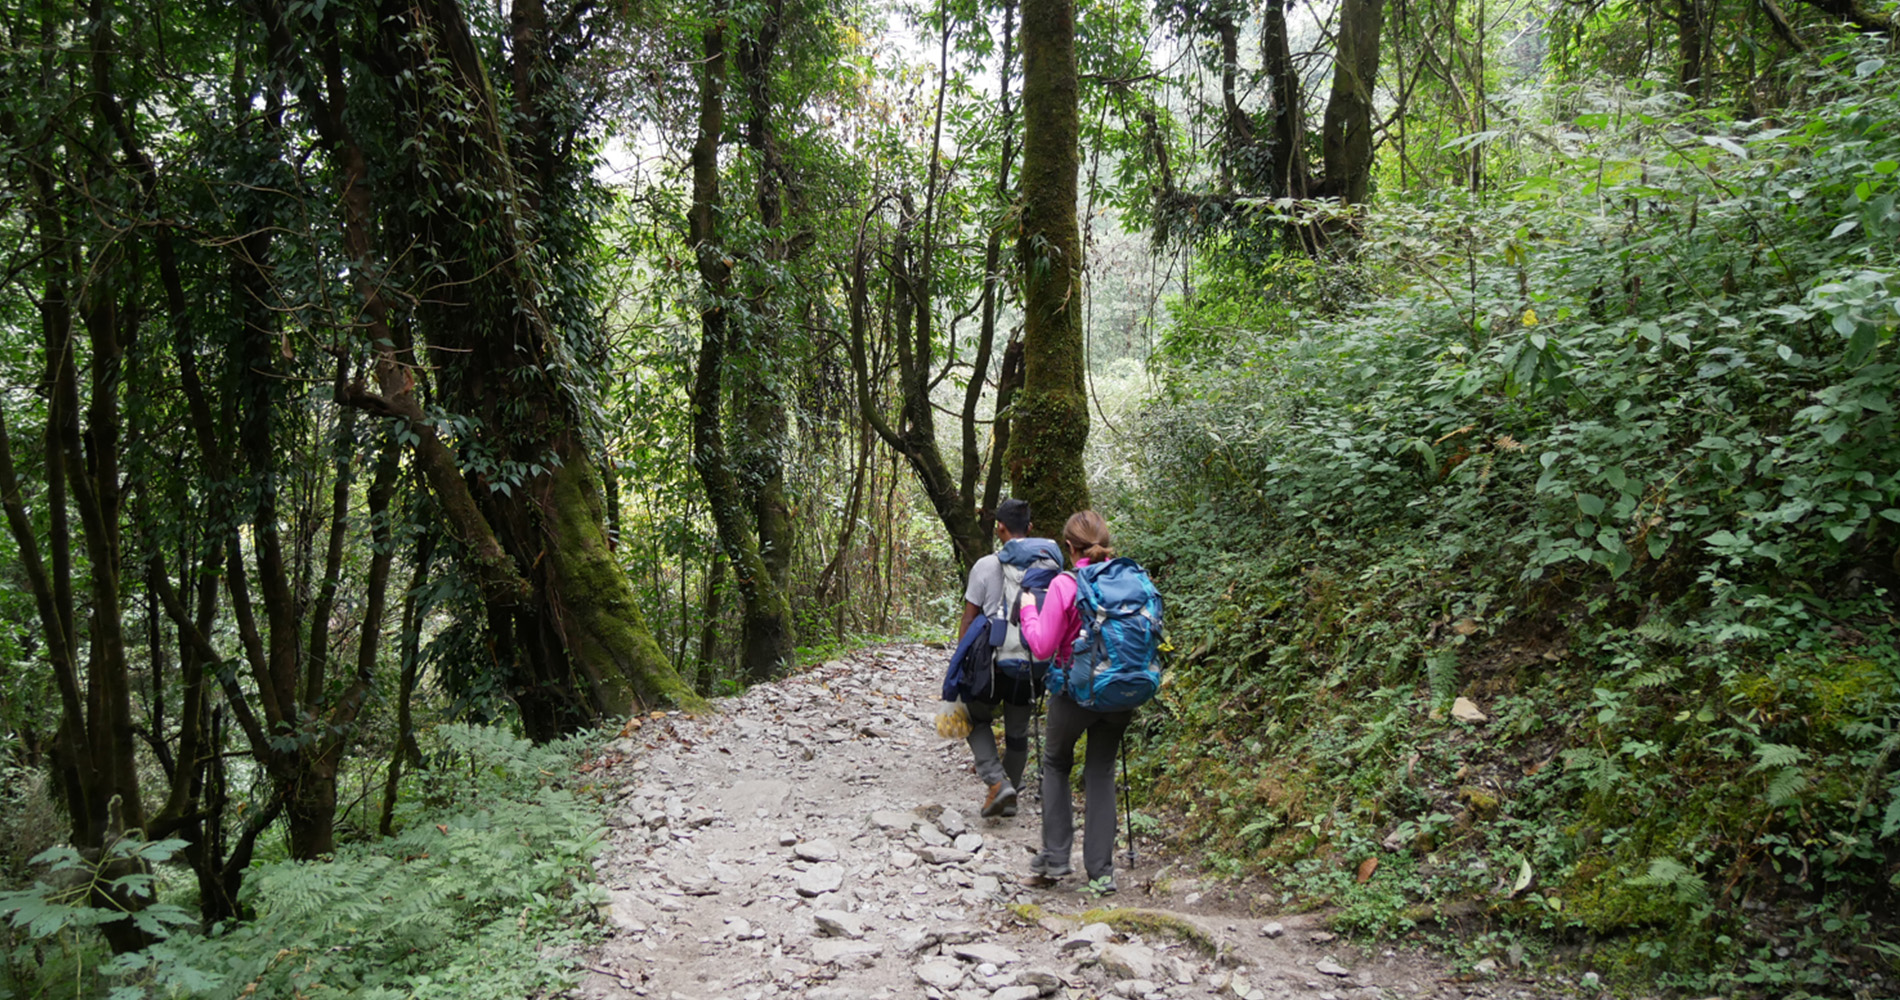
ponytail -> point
(1088, 537)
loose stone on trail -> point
(847, 954)
(1127, 961)
(939, 973)
(1466, 710)
(793, 845)
(838, 923)
(891, 819)
(952, 823)
(816, 850)
(945, 855)
(993, 954)
(820, 879)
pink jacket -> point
(1052, 631)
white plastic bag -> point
(953, 719)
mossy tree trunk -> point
(483, 216)
(766, 610)
(1346, 131)
(1050, 423)
(757, 373)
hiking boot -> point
(1044, 868)
(1002, 796)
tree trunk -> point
(1050, 425)
(410, 638)
(502, 326)
(1346, 134)
(758, 350)
(1291, 176)
(915, 438)
(767, 612)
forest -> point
(396, 396)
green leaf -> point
(1785, 787)
(1777, 755)
(1590, 504)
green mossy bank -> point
(1610, 460)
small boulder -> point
(953, 823)
(1466, 710)
(1127, 961)
(939, 973)
(816, 850)
(820, 879)
(993, 954)
(894, 821)
(846, 954)
(838, 923)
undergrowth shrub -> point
(1614, 457)
(485, 892)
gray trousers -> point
(1015, 741)
(1067, 722)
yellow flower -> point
(1530, 317)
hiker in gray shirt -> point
(992, 590)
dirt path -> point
(816, 839)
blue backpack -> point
(1117, 655)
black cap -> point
(1014, 514)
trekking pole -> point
(1036, 723)
(1128, 816)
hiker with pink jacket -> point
(1050, 632)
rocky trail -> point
(814, 838)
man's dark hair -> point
(1014, 514)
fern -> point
(1599, 772)
(464, 902)
(1666, 633)
(1656, 677)
(1785, 787)
(1441, 672)
(1668, 873)
(1775, 755)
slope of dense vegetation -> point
(1611, 455)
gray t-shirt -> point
(986, 584)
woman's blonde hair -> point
(1088, 537)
